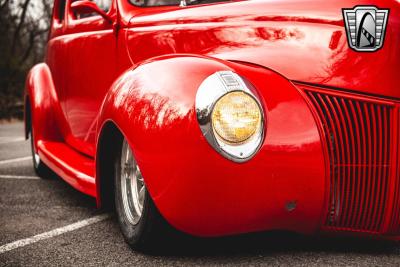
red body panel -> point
(163, 128)
(75, 168)
(276, 34)
(142, 72)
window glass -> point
(149, 3)
(61, 10)
(103, 4)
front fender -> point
(196, 189)
(42, 103)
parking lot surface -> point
(46, 222)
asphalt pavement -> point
(45, 222)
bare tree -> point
(23, 33)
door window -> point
(105, 5)
(59, 11)
(149, 3)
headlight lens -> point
(236, 117)
(230, 115)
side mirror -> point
(88, 7)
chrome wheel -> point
(39, 166)
(35, 156)
(132, 186)
(142, 226)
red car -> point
(224, 117)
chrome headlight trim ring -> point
(210, 91)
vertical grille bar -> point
(394, 227)
(345, 157)
(374, 147)
(358, 134)
(367, 219)
(352, 152)
(386, 155)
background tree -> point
(24, 26)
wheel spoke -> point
(139, 177)
(127, 157)
(141, 195)
(133, 188)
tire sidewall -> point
(36, 164)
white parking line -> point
(18, 177)
(14, 160)
(6, 140)
(53, 233)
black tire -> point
(151, 232)
(39, 167)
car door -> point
(55, 52)
(91, 65)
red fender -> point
(154, 108)
(40, 96)
(52, 133)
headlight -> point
(236, 117)
(230, 115)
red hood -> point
(303, 40)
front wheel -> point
(141, 223)
(40, 168)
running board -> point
(76, 169)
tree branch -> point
(19, 26)
(3, 4)
(32, 36)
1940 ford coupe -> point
(224, 117)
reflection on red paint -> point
(143, 75)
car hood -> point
(303, 40)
